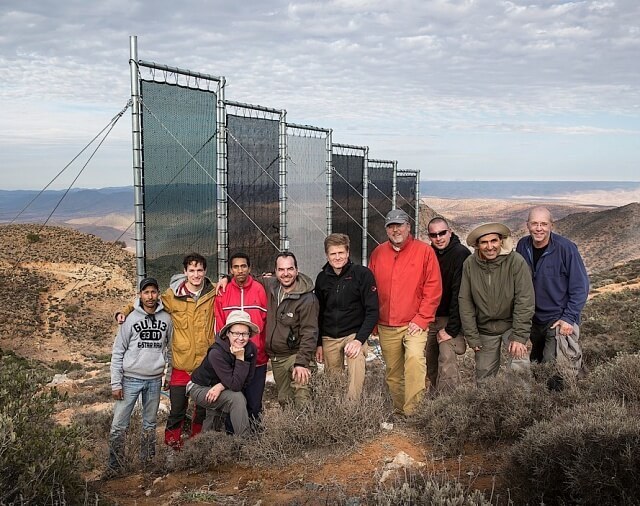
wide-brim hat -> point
(240, 317)
(487, 228)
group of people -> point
(211, 341)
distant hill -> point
(605, 238)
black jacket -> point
(221, 366)
(451, 259)
(348, 302)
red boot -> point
(173, 438)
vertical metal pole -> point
(365, 205)
(223, 171)
(394, 186)
(138, 175)
(282, 180)
(418, 204)
(329, 181)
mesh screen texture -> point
(307, 201)
(406, 197)
(253, 164)
(346, 208)
(380, 202)
(179, 196)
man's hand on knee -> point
(301, 375)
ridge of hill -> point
(61, 289)
(606, 237)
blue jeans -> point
(132, 388)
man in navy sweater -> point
(560, 282)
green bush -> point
(587, 455)
(32, 237)
(498, 412)
(38, 459)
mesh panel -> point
(252, 147)
(179, 196)
(306, 200)
(380, 201)
(347, 200)
(406, 198)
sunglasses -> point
(433, 235)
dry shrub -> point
(617, 379)
(499, 411)
(330, 421)
(426, 489)
(586, 455)
(207, 450)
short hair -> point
(286, 254)
(239, 254)
(194, 258)
(438, 219)
(336, 240)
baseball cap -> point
(396, 216)
(147, 282)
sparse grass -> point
(427, 489)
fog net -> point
(307, 196)
(179, 169)
(253, 190)
(380, 200)
(346, 188)
(406, 196)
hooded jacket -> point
(496, 296)
(222, 366)
(292, 325)
(251, 298)
(348, 302)
(193, 322)
(409, 283)
(560, 280)
(142, 346)
(451, 259)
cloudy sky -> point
(461, 89)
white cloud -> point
(411, 66)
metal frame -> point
(416, 174)
(194, 80)
(365, 188)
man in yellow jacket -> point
(189, 300)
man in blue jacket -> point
(560, 282)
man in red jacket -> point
(244, 293)
(409, 289)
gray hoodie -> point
(142, 346)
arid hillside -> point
(605, 236)
(61, 288)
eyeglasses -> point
(238, 335)
(442, 233)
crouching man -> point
(140, 352)
(228, 367)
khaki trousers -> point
(442, 358)
(406, 369)
(333, 353)
(288, 390)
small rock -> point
(386, 426)
(157, 480)
(147, 492)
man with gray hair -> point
(561, 288)
(496, 300)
